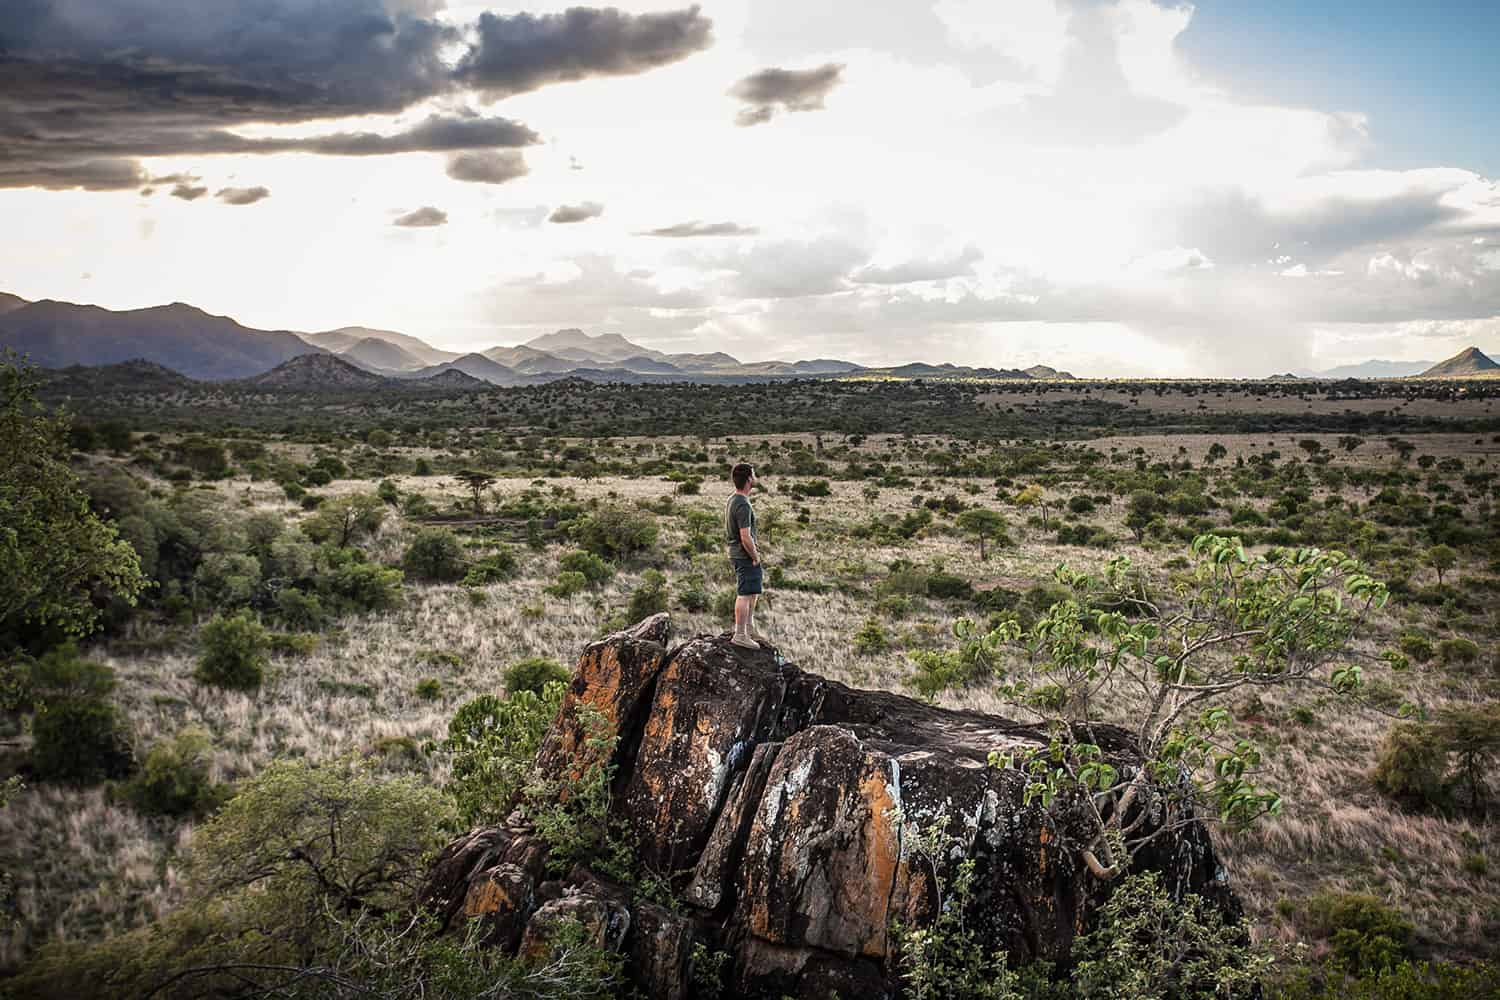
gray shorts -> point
(748, 577)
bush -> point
(299, 609)
(534, 674)
(175, 781)
(356, 585)
(1412, 766)
(693, 597)
(949, 586)
(1416, 646)
(724, 602)
(567, 584)
(649, 598)
(493, 742)
(1148, 945)
(871, 638)
(616, 533)
(429, 689)
(1406, 981)
(1364, 934)
(498, 565)
(79, 740)
(434, 554)
(1456, 651)
(593, 568)
(234, 653)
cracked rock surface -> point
(782, 807)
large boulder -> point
(783, 811)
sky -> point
(1114, 188)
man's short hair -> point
(741, 474)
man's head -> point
(743, 475)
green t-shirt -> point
(738, 514)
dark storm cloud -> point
(522, 52)
(487, 167)
(189, 192)
(422, 217)
(88, 86)
(576, 213)
(784, 89)
(696, 228)
(242, 195)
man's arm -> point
(749, 544)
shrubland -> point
(275, 622)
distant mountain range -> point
(202, 346)
(1377, 368)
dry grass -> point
(85, 867)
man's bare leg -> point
(742, 606)
(750, 628)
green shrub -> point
(534, 674)
(1412, 767)
(1406, 981)
(871, 638)
(616, 533)
(493, 568)
(299, 609)
(234, 653)
(649, 598)
(1456, 651)
(593, 568)
(1363, 933)
(692, 597)
(949, 586)
(1149, 946)
(567, 584)
(434, 554)
(1416, 646)
(429, 689)
(175, 778)
(356, 585)
(724, 602)
(80, 740)
(493, 742)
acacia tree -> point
(982, 523)
(1115, 647)
(55, 554)
(476, 482)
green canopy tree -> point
(476, 482)
(56, 556)
(983, 524)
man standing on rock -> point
(739, 532)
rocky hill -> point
(181, 337)
(1469, 362)
(780, 807)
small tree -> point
(1276, 620)
(1441, 558)
(345, 520)
(982, 523)
(55, 555)
(234, 653)
(434, 554)
(1033, 496)
(476, 482)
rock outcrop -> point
(782, 809)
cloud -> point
(696, 228)
(523, 52)
(189, 192)
(90, 86)
(785, 89)
(487, 167)
(422, 217)
(242, 195)
(928, 269)
(576, 213)
(596, 295)
(786, 268)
